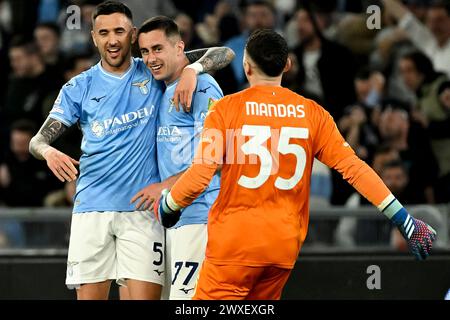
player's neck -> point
(265, 81)
(177, 74)
(120, 70)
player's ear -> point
(133, 35)
(180, 46)
(288, 65)
(247, 67)
(93, 38)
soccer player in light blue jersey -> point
(116, 103)
(177, 137)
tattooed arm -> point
(49, 132)
(211, 59)
(61, 164)
(204, 60)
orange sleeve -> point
(192, 183)
(332, 149)
(208, 157)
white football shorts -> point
(185, 252)
(115, 245)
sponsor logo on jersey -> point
(142, 86)
(169, 134)
(123, 122)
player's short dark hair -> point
(268, 50)
(110, 7)
(163, 23)
(24, 125)
(51, 26)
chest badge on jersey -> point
(97, 128)
(142, 86)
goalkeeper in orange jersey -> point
(265, 138)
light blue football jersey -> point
(177, 140)
(117, 115)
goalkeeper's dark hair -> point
(162, 23)
(268, 50)
(110, 7)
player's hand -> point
(163, 213)
(62, 166)
(147, 196)
(418, 234)
(185, 89)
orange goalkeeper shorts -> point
(223, 282)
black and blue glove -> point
(418, 234)
(164, 214)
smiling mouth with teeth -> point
(156, 67)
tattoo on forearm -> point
(49, 132)
(52, 129)
(213, 59)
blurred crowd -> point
(382, 74)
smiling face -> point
(113, 35)
(163, 55)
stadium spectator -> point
(410, 139)
(420, 77)
(188, 33)
(47, 36)
(256, 15)
(144, 9)
(32, 86)
(62, 198)
(327, 69)
(25, 180)
(433, 37)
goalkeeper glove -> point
(165, 214)
(418, 234)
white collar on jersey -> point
(113, 74)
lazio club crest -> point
(142, 86)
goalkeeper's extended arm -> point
(188, 187)
(417, 233)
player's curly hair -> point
(268, 50)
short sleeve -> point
(207, 92)
(67, 106)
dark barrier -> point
(344, 276)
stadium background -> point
(371, 80)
